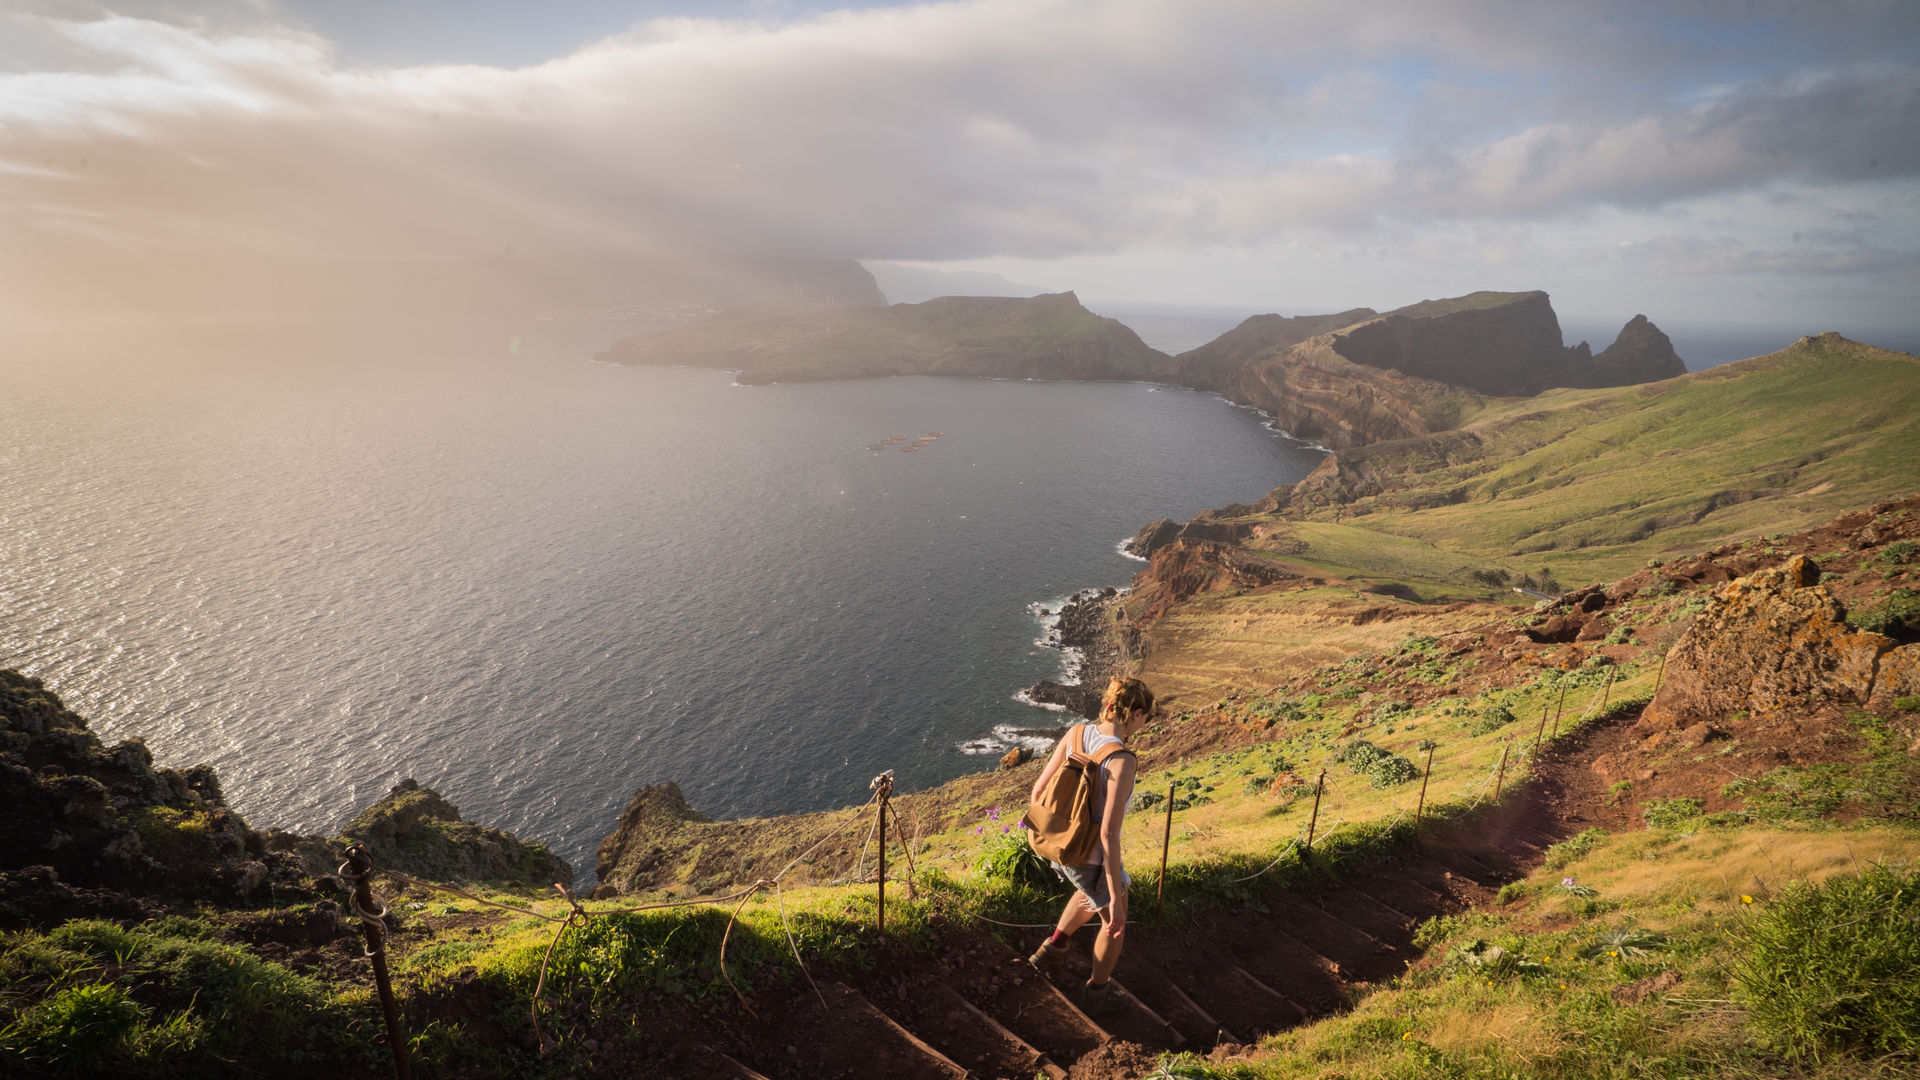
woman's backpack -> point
(1060, 821)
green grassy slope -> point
(1593, 483)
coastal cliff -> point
(1045, 337)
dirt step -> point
(1359, 954)
(1481, 868)
(719, 1065)
(1164, 996)
(1448, 878)
(1400, 886)
(954, 1026)
(1003, 985)
(1354, 906)
(1137, 1021)
(856, 1040)
(1242, 1002)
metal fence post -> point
(1166, 841)
(359, 867)
(1315, 820)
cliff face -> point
(1315, 393)
(1497, 343)
(1045, 337)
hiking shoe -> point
(1103, 1000)
(1050, 961)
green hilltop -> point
(1591, 484)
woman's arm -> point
(1054, 762)
(1120, 770)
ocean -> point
(324, 556)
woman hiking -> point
(1101, 883)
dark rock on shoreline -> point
(1087, 623)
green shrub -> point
(1493, 718)
(1898, 552)
(1359, 755)
(1670, 813)
(1910, 704)
(1835, 966)
(1390, 769)
(1896, 616)
(97, 938)
(1009, 859)
(1572, 848)
(78, 1029)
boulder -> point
(1766, 641)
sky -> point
(1746, 163)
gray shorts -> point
(1091, 880)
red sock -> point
(1058, 940)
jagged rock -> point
(1078, 698)
(417, 831)
(1641, 353)
(1152, 538)
(652, 817)
(1767, 641)
(104, 824)
(1014, 757)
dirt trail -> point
(1224, 977)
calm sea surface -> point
(326, 558)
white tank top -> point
(1091, 740)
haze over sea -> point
(324, 558)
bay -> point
(324, 556)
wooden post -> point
(1315, 819)
(1501, 778)
(1658, 679)
(1604, 690)
(1538, 734)
(1558, 706)
(882, 920)
(1424, 777)
(360, 867)
(1166, 841)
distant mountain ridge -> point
(1345, 379)
(1360, 377)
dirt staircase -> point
(1224, 977)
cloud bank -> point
(159, 163)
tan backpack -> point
(1060, 822)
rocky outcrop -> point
(1641, 353)
(1044, 337)
(1507, 344)
(1187, 568)
(647, 838)
(416, 831)
(78, 815)
(1215, 365)
(1497, 343)
(1772, 640)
